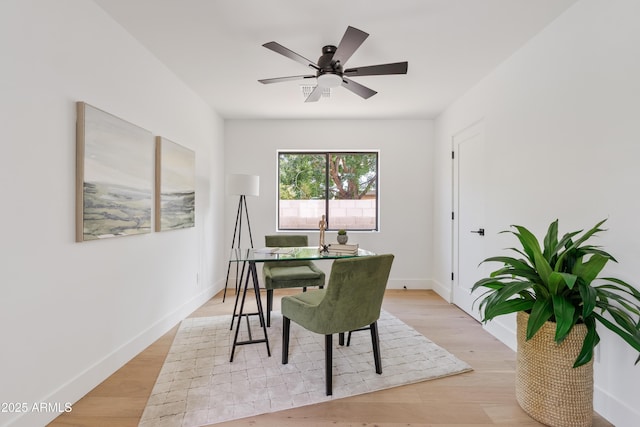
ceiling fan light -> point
(329, 80)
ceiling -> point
(215, 47)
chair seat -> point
(292, 276)
(308, 299)
(288, 273)
(294, 273)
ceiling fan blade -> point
(351, 41)
(285, 79)
(315, 94)
(378, 70)
(278, 48)
(357, 88)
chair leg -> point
(341, 338)
(375, 340)
(328, 361)
(269, 306)
(286, 326)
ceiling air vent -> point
(307, 89)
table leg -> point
(252, 272)
(256, 288)
(235, 305)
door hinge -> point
(453, 154)
(451, 276)
(453, 215)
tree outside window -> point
(343, 186)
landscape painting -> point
(175, 185)
(114, 176)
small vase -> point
(342, 238)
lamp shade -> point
(239, 184)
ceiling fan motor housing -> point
(329, 71)
(326, 64)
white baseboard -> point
(443, 290)
(503, 333)
(408, 284)
(613, 410)
(87, 380)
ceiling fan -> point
(330, 71)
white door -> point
(468, 216)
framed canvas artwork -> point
(114, 176)
(175, 185)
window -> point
(343, 186)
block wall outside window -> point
(347, 214)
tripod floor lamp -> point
(240, 185)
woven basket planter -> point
(548, 388)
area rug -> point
(198, 385)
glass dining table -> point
(249, 258)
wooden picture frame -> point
(175, 186)
(114, 176)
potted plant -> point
(559, 298)
(342, 236)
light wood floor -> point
(483, 397)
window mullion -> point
(326, 189)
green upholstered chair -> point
(288, 274)
(351, 301)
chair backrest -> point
(285, 240)
(355, 291)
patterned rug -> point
(198, 385)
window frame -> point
(327, 154)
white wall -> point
(71, 313)
(405, 182)
(562, 142)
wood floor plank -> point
(482, 398)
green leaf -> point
(509, 306)
(488, 282)
(541, 311)
(493, 302)
(625, 286)
(541, 291)
(556, 283)
(589, 270)
(588, 296)
(515, 263)
(563, 311)
(586, 236)
(551, 241)
(569, 279)
(596, 250)
(543, 267)
(578, 242)
(603, 295)
(588, 345)
(565, 242)
(632, 340)
(623, 319)
(521, 252)
(509, 273)
(528, 241)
